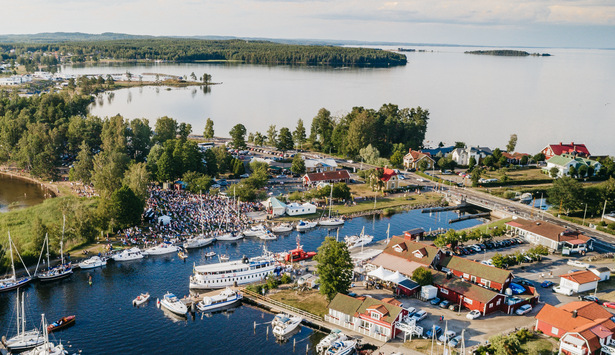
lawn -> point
(309, 301)
(540, 346)
(518, 175)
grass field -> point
(309, 301)
(518, 175)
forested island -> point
(508, 53)
(192, 50)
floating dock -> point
(470, 216)
(445, 208)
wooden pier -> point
(470, 216)
(444, 208)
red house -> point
(327, 177)
(559, 149)
(487, 276)
(467, 294)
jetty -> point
(444, 208)
(470, 216)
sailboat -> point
(201, 240)
(58, 272)
(356, 241)
(47, 348)
(25, 339)
(13, 282)
(329, 221)
(232, 235)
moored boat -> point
(282, 228)
(305, 225)
(140, 299)
(357, 241)
(224, 258)
(326, 342)
(267, 236)
(92, 262)
(173, 304)
(254, 231)
(225, 298)
(128, 254)
(283, 324)
(47, 347)
(342, 347)
(229, 236)
(298, 254)
(13, 282)
(199, 241)
(210, 254)
(24, 339)
(57, 272)
(62, 323)
(161, 249)
(331, 222)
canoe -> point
(64, 322)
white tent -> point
(380, 273)
(164, 220)
(396, 278)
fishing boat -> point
(62, 323)
(58, 272)
(210, 254)
(225, 298)
(13, 282)
(254, 231)
(305, 225)
(326, 342)
(298, 254)
(282, 228)
(24, 339)
(331, 221)
(161, 249)
(283, 324)
(244, 271)
(199, 241)
(47, 347)
(173, 304)
(92, 262)
(128, 254)
(342, 347)
(232, 236)
(357, 241)
(140, 299)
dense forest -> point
(508, 53)
(190, 50)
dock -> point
(470, 216)
(444, 208)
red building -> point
(327, 177)
(559, 149)
(488, 276)
(467, 294)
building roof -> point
(588, 316)
(564, 159)
(586, 309)
(387, 174)
(560, 148)
(406, 249)
(548, 230)
(391, 311)
(581, 277)
(435, 151)
(396, 263)
(561, 318)
(465, 288)
(471, 267)
(414, 155)
(345, 304)
(314, 163)
(514, 156)
(328, 175)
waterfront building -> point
(550, 235)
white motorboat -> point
(210, 254)
(326, 342)
(161, 249)
(342, 347)
(229, 237)
(357, 241)
(254, 231)
(224, 258)
(92, 262)
(244, 271)
(25, 339)
(173, 304)
(13, 282)
(267, 236)
(199, 241)
(128, 254)
(47, 348)
(331, 222)
(223, 299)
(282, 228)
(303, 225)
(57, 272)
(283, 324)
(140, 299)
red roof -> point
(559, 149)
(387, 174)
(581, 277)
(328, 175)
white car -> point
(419, 315)
(562, 290)
(411, 311)
(526, 308)
(473, 314)
(446, 336)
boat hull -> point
(25, 341)
(53, 277)
(9, 286)
(212, 307)
(92, 263)
(198, 243)
(67, 322)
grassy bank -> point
(309, 301)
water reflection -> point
(17, 193)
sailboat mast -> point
(62, 241)
(17, 310)
(330, 201)
(12, 261)
(23, 312)
(47, 241)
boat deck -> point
(195, 297)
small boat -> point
(57, 272)
(357, 241)
(198, 242)
(282, 228)
(128, 254)
(182, 254)
(64, 322)
(303, 225)
(223, 299)
(224, 258)
(283, 324)
(298, 254)
(254, 231)
(161, 249)
(326, 342)
(229, 237)
(142, 298)
(47, 347)
(173, 304)
(342, 347)
(93, 262)
(267, 236)
(210, 254)
(331, 222)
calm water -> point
(568, 97)
(18, 193)
(107, 323)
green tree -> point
(125, 208)
(524, 160)
(397, 159)
(341, 190)
(566, 191)
(82, 170)
(369, 154)
(299, 135)
(298, 165)
(208, 133)
(166, 129)
(259, 139)
(554, 172)
(423, 165)
(184, 130)
(334, 267)
(498, 260)
(272, 136)
(322, 130)
(512, 143)
(197, 182)
(582, 171)
(238, 136)
(108, 171)
(539, 157)
(505, 345)
(422, 276)
(137, 178)
(140, 135)
(471, 163)
(285, 140)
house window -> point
(554, 331)
(497, 304)
(375, 315)
(444, 291)
(468, 301)
(466, 276)
(486, 283)
(490, 305)
(473, 278)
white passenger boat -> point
(225, 298)
(92, 262)
(173, 304)
(326, 342)
(254, 231)
(303, 225)
(283, 324)
(128, 254)
(161, 249)
(282, 228)
(13, 282)
(340, 347)
(24, 339)
(198, 241)
(47, 348)
(357, 241)
(140, 299)
(229, 236)
(244, 271)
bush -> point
(509, 195)
(286, 279)
(611, 226)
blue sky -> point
(537, 23)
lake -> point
(18, 193)
(478, 99)
(107, 323)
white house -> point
(320, 165)
(550, 235)
(579, 281)
(295, 209)
(604, 273)
(275, 206)
(462, 156)
(564, 162)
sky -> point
(523, 23)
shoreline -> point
(48, 187)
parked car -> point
(444, 304)
(525, 283)
(435, 301)
(454, 307)
(526, 308)
(590, 298)
(450, 334)
(562, 290)
(455, 341)
(476, 248)
(487, 262)
(473, 314)
(609, 304)
(411, 311)
(546, 284)
(435, 331)
(419, 315)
